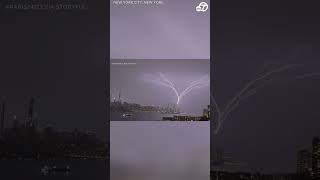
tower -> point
(119, 96)
(30, 114)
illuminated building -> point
(304, 165)
(316, 157)
(29, 120)
(206, 112)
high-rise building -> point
(316, 157)
(304, 165)
(30, 114)
(119, 96)
(206, 112)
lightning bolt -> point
(202, 82)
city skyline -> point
(30, 112)
(143, 82)
(62, 60)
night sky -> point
(172, 30)
(59, 57)
(267, 129)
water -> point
(31, 169)
(139, 116)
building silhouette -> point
(316, 157)
(30, 118)
(206, 112)
(304, 165)
(29, 141)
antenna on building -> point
(119, 96)
(30, 114)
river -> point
(31, 169)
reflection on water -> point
(33, 169)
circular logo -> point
(202, 7)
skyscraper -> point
(206, 112)
(304, 165)
(30, 114)
(119, 96)
(316, 157)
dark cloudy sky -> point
(160, 150)
(172, 30)
(58, 56)
(136, 82)
(268, 129)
